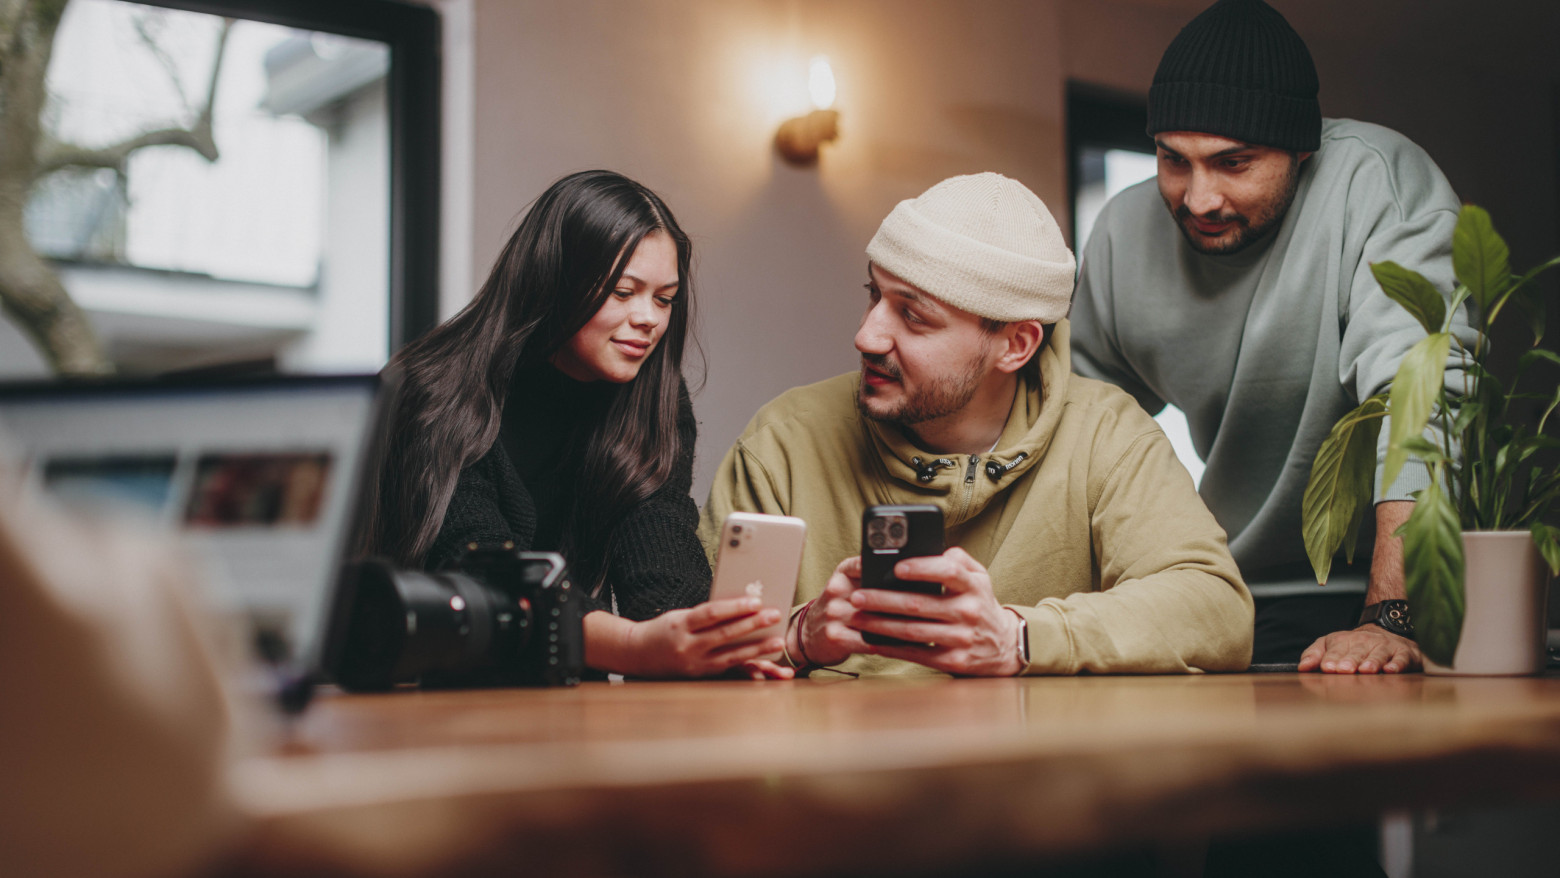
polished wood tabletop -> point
(839, 776)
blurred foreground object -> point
(114, 726)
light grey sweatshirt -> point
(1266, 349)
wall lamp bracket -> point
(799, 139)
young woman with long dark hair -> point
(552, 411)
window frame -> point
(412, 33)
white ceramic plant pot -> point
(1505, 623)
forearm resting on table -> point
(609, 642)
(1386, 565)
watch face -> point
(1391, 615)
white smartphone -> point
(760, 556)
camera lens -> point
(735, 543)
(876, 540)
(896, 530)
(410, 624)
(736, 528)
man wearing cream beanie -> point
(1077, 541)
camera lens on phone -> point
(736, 528)
(735, 543)
(876, 540)
(896, 530)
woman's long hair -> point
(550, 280)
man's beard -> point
(943, 396)
(1248, 230)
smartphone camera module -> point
(887, 532)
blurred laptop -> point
(261, 476)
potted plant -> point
(1484, 462)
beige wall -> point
(685, 96)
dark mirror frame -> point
(413, 34)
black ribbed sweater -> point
(518, 491)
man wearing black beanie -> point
(1237, 287)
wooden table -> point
(843, 776)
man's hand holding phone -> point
(963, 631)
(821, 634)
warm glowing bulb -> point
(820, 82)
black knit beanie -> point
(1240, 71)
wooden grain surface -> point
(835, 777)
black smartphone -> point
(890, 534)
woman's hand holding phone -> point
(703, 641)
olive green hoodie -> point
(1089, 526)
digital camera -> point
(500, 617)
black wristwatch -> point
(1391, 615)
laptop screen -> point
(259, 476)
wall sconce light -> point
(799, 139)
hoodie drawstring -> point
(996, 470)
(925, 472)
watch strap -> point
(1023, 642)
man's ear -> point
(1021, 339)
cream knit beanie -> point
(982, 243)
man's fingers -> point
(1374, 658)
(913, 630)
(939, 657)
(1311, 659)
(1346, 650)
(902, 603)
(954, 569)
(1405, 657)
(843, 637)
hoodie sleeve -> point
(1169, 600)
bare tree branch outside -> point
(30, 289)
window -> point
(1109, 151)
(239, 180)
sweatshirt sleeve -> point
(1170, 598)
(1096, 352)
(658, 563)
(1413, 212)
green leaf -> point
(1549, 410)
(1459, 296)
(1535, 355)
(1433, 574)
(1410, 289)
(1548, 541)
(1414, 393)
(1340, 488)
(1529, 299)
(1530, 302)
(1466, 413)
(1480, 257)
